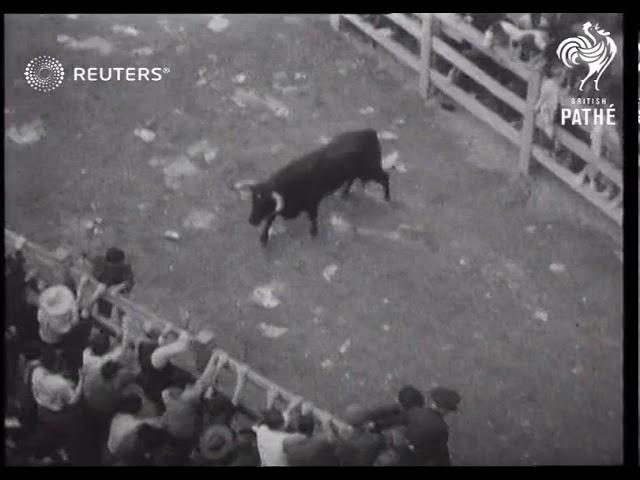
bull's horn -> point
(244, 184)
(279, 201)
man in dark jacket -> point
(113, 269)
(423, 426)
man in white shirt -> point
(271, 439)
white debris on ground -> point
(177, 170)
(323, 140)
(385, 32)
(530, 229)
(199, 220)
(218, 23)
(240, 79)
(145, 134)
(398, 121)
(367, 110)
(271, 331)
(72, 16)
(142, 51)
(127, 30)
(266, 295)
(386, 327)
(541, 315)
(557, 268)
(300, 76)
(92, 43)
(344, 348)
(278, 108)
(171, 235)
(464, 261)
(392, 161)
(329, 271)
(244, 98)
(205, 337)
(387, 135)
(28, 133)
(327, 364)
(204, 148)
(277, 229)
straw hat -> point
(58, 312)
(216, 442)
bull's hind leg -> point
(313, 218)
(383, 179)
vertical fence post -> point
(425, 54)
(529, 120)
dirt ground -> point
(462, 295)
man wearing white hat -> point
(58, 313)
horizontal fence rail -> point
(218, 360)
(429, 31)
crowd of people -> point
(532, 40)
(78, 395)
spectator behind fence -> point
(113, 270)
(314, 449)
(132, 435)
(57, 401)
(270, 436)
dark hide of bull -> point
(303, 183)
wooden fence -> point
(249, 390)
(430, 31)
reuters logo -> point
(44, 73)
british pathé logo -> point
(596, 49)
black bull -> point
(302, 184)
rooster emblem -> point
(596, 50)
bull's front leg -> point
(313, 218)
(264, 236)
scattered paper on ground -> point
(92, 43)
(145, 134)
(73, 16)
(171, 235)
(277, 229)
(266, 295)
(199, 220)
(557, 268)
(240, 79)
(387, 135)
(344, 348)
(142, 51)
(177, 170)
(329, 271)
(127, 30)
(218, 23)
(204, 148)
(327, 364)
(271, 331)
(540, 314)
(393, 161)
(28, 133)
(367, 110)
(323, 140)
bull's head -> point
(264, 202)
